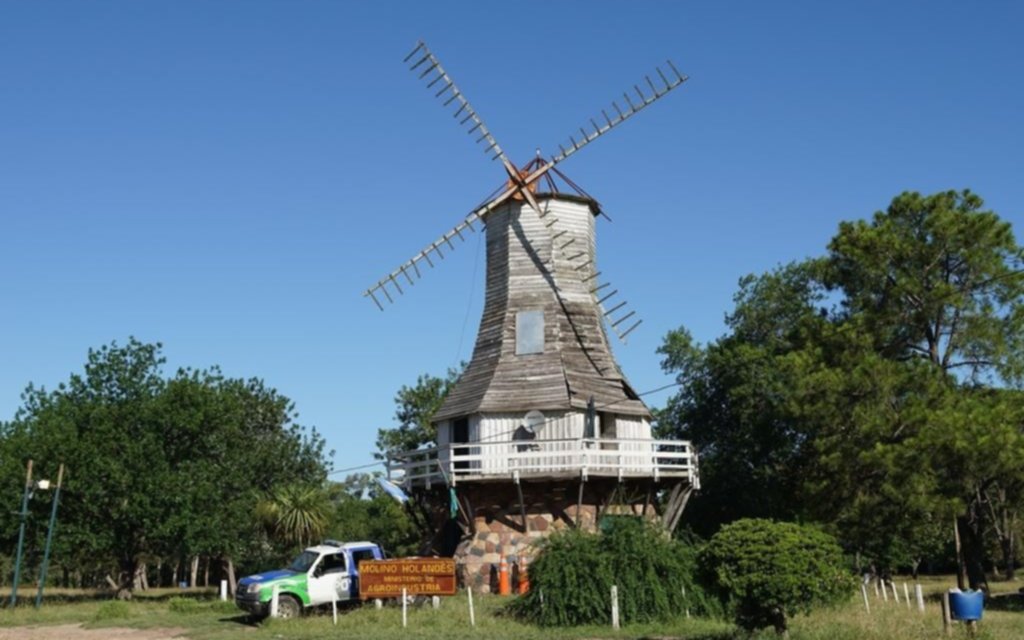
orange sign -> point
(418, 576)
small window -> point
(333, 563)
(362, 554)
(529, 332)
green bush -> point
(765, 571)
(572, 576)
(177, 604)
(112, 610)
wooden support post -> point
(522, 504)
(579, 503)
(405, 607)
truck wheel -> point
(288, 607)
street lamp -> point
(30, 489)
(49, 531)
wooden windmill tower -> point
(542, 431)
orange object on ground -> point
(504, 584)
(524, 578)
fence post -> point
(615, 607)
(906, 594)
(472, 614)
(895, 593)
(334, 608)
(864, 591)
(405, 605)
(947, 622)
(920, 597)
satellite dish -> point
(533, 421)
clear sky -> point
(228, 177)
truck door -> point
(359, 555)
(329, 579)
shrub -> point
(112, 610)
(765, 571)
(572, 576)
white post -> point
(273, 601)
(615, 607)
(378, 603)
(874, 583)
(906, 594)
(864, 591)
(223, 590)
(334, 608)
(920, 597)
(686, 604)
(472, 614)
(405, 605)
(885, 591)
(895, 593)
(435, 602)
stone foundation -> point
(496, 527)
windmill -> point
(542, 430)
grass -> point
(205, 618)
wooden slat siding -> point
(577, 363)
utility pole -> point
(49, 536)
(21, 534)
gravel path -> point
(76, 632)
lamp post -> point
(23, 515)
(49, 536)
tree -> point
(870, 389)
(296, 514)
(157, 467)
(736, 399)
(938, 278)
(415, 406)
(361, 511)
(766, 572)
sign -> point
(418, 576)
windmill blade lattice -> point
(433, 73)
(621, 115)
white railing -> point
(622, 458)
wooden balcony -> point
(540, 460)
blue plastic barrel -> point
(966, 605)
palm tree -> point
(295, 513)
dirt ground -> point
(76, 632)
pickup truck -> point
(319, 575)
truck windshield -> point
(303, 562)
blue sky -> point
(228, 177)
